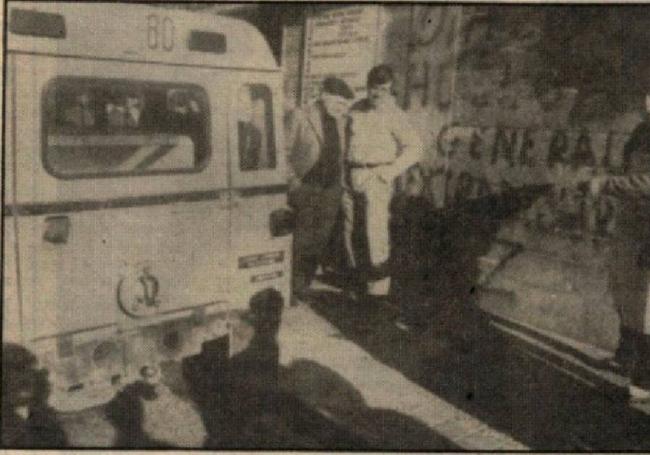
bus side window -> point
(255, 128)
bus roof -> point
(136, 33)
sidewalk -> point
(304, 335)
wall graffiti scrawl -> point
(551, 67)
(479, 161)
(431, 59)
(518, 96)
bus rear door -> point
(261, 222)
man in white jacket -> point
(381, 146)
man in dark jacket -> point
(630, 271)
(315, 139)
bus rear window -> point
(104, 127)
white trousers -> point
(366, 190)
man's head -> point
(380, 84)
(336, 96)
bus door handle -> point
(235, 199)
(282, 222)
(57, 229)
(226, 201)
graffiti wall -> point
(551, 67)
(420, 42)
(516, 97)
(494, 160)
(510, 96)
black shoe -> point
(302, 295)
(352, 295)
(365, 306)
(638, 395)
(376, 301)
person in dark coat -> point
(630, 265)
(315, 141)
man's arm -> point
(632, 184)
(409, 143)
(294, 123)
(628, 185)
(635, 141)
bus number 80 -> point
(160, 32)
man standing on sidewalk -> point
(315, 141)
(630, 271)
(381, 146)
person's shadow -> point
(381, 429)
(251, 402)
(126, 413)
(27, 419)
(252, 376)
(236, 396)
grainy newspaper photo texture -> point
(326, 226)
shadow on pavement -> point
(257, 404)
(126, 413)
(382, 429)
(457, 354)
(26, 387)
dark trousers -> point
(316, 210)
(634, 355)
(629, 287)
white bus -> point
(144, 188)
